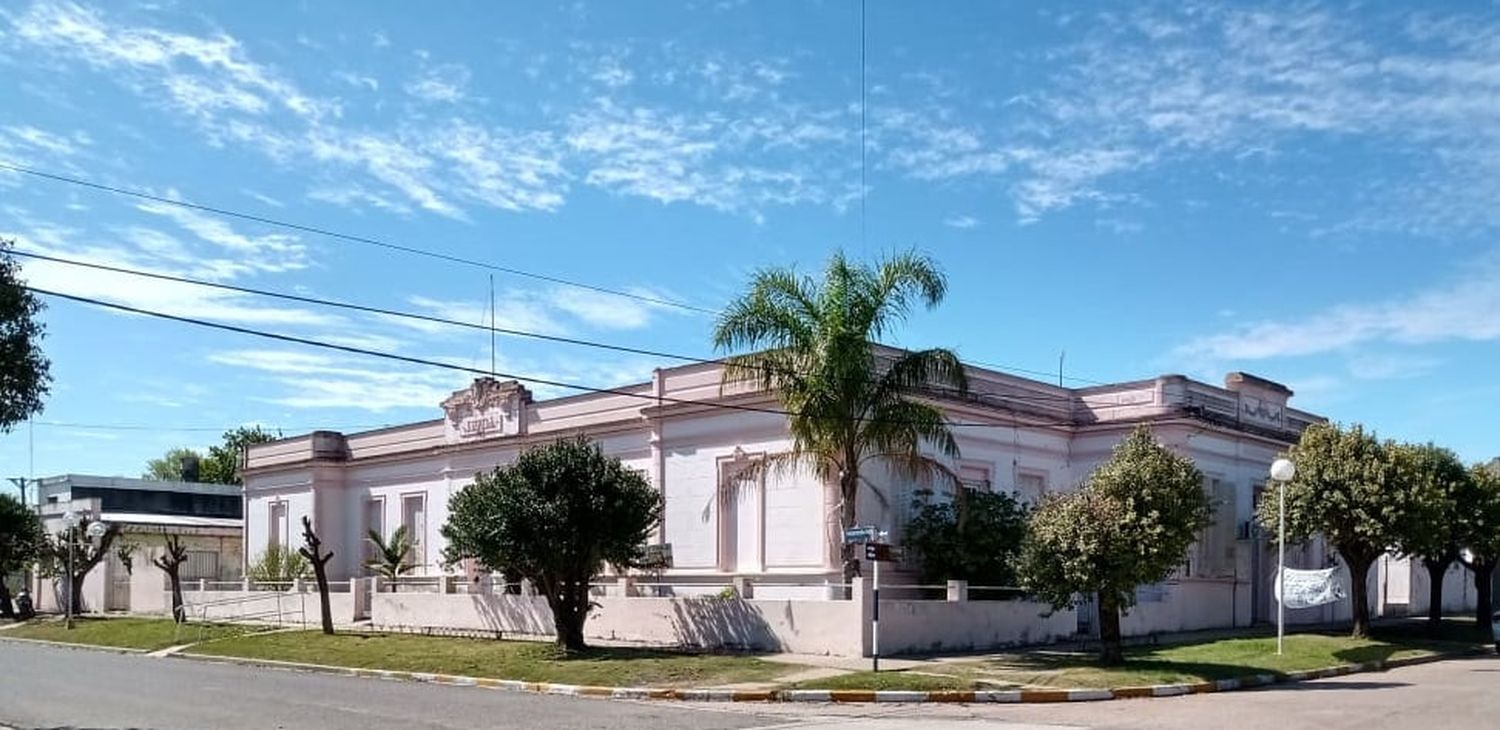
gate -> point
(117, 596)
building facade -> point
(693, 438)
(207, 518)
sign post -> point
(877, 553)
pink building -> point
(1018, 435)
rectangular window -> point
(1030, 487)
(278, 524)
(374, 522)
(201, 564)
(414, 518)
(974, 477)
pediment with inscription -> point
(486, 409)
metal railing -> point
(267, 607)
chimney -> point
(190, 468)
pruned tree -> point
(1431, 527)
(1130, 524)
(24, 375)
(22, 542)
(87, 553)
(392, 555)
(1482, 536)
(556, 516)
(312, 550)
(850, 407)
(1347, 490)
(170, 562)
(983, 548)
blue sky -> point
(1303, 191)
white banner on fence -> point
(1309, 588)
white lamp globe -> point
(1282, 470)
(96, 530)
(71, 519)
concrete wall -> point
(807, 627)
(914, 627)
(261, 606)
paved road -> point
(47, 687)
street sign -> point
(863, 533)
(881, 552)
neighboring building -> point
(1020, 436)
(208, 518)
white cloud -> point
(447, 83)
(1467, 308)
(269, 252)
(962, 222)
(514, 309)
(607, 311)
(315, 380)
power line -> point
(492, 329)
(204, 429)
(470, 370)
(352, 238)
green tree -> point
(1129, 525)
(982, 548)
(1432, 483)
(222, 466)
(24, 369)
(1482, 535)
(168, 468)
(850, 403)
(278, 564)
(1346, 489)
(391, 555)
(22, 542)
(556, 516)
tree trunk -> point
(1437, 569)
(1111, 649)
(1484, 576)
(179, 612)
(570, 609)
(1359, 593)
(849, 500)
(5, 608)
(320, 571)
(76, 588)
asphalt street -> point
(51, 687)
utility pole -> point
(21, 483)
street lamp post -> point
(70, 520)
(96, 531)
(1282, 471)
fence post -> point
(958, 591)
(296, 585)
(202, 585)
(744, 587)
(625, 586)
(245, 585)
(527, 589)
(375, 582)
(445, 584)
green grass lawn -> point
(1196, 662)
(519, 660)
(131, 633)
(1172, 664)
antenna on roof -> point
(492, 325)
(1061, 356)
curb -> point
(71, 645)
(1016, 696)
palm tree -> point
(850, 401)
(391, 555)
